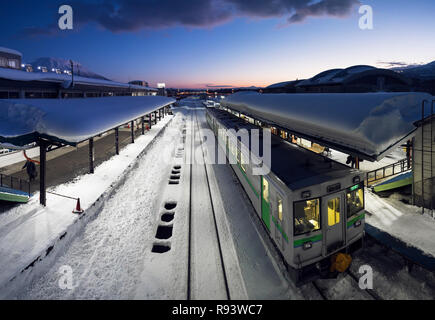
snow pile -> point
(371, 123)
(402, 221)
(70, 120)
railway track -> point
(196, 137)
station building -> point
(28, 83)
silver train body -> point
(311, 206)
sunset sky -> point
(206, 43)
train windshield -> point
(307, 216)
(355, 200)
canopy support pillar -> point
(143, 125)
(91, 155)
(132, 131)
(149, 120)
(42, 172)
(117, 141)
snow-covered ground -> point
(402, 221)
(28, 232)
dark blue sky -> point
(196, 43)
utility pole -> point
(72, 73)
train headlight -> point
(356, 179)
(357, 224)
(308, 245)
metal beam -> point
(143, 125)
(91, 155)
(132, 131)
(117, 141)
(42, 172)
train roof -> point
(368, 125)
(298, 168)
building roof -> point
(19, 75)
(363, 124)
(11, 51)
(70, 121)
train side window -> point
(242, 162)
(355, 201)
(279, 209)
(306, 216)
(333, 211)
(265, 190)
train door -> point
(265, 202)
(333, 221)
(278, 218)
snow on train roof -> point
(23, 121)
(364, 124)
(11, 51)
(20, 75)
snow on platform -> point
(27, 232)
(402, 221)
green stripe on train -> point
(279, 228)
(360, 217)
(13, 197)
(300, 242)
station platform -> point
(402, 228)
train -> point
(311, 206)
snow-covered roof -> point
(364, 124)
(20, 75)
(23, 121)
(10, 51)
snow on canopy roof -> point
(363, 124)
(10, 51)
(20, 75)
(70, 121)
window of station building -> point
(333, 211)
(12, 63)
(306, 216)
(3, 62)
(279, 209)
(355, 200)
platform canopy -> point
(367, 125)
(70, 121)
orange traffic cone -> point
(78, 208)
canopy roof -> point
(362, 124)
(70, 121)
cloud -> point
(132, 15)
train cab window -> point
(306, 216)
(355, 201)
(333, 211)
(279, 209)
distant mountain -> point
(63, 64)
(422, 71)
